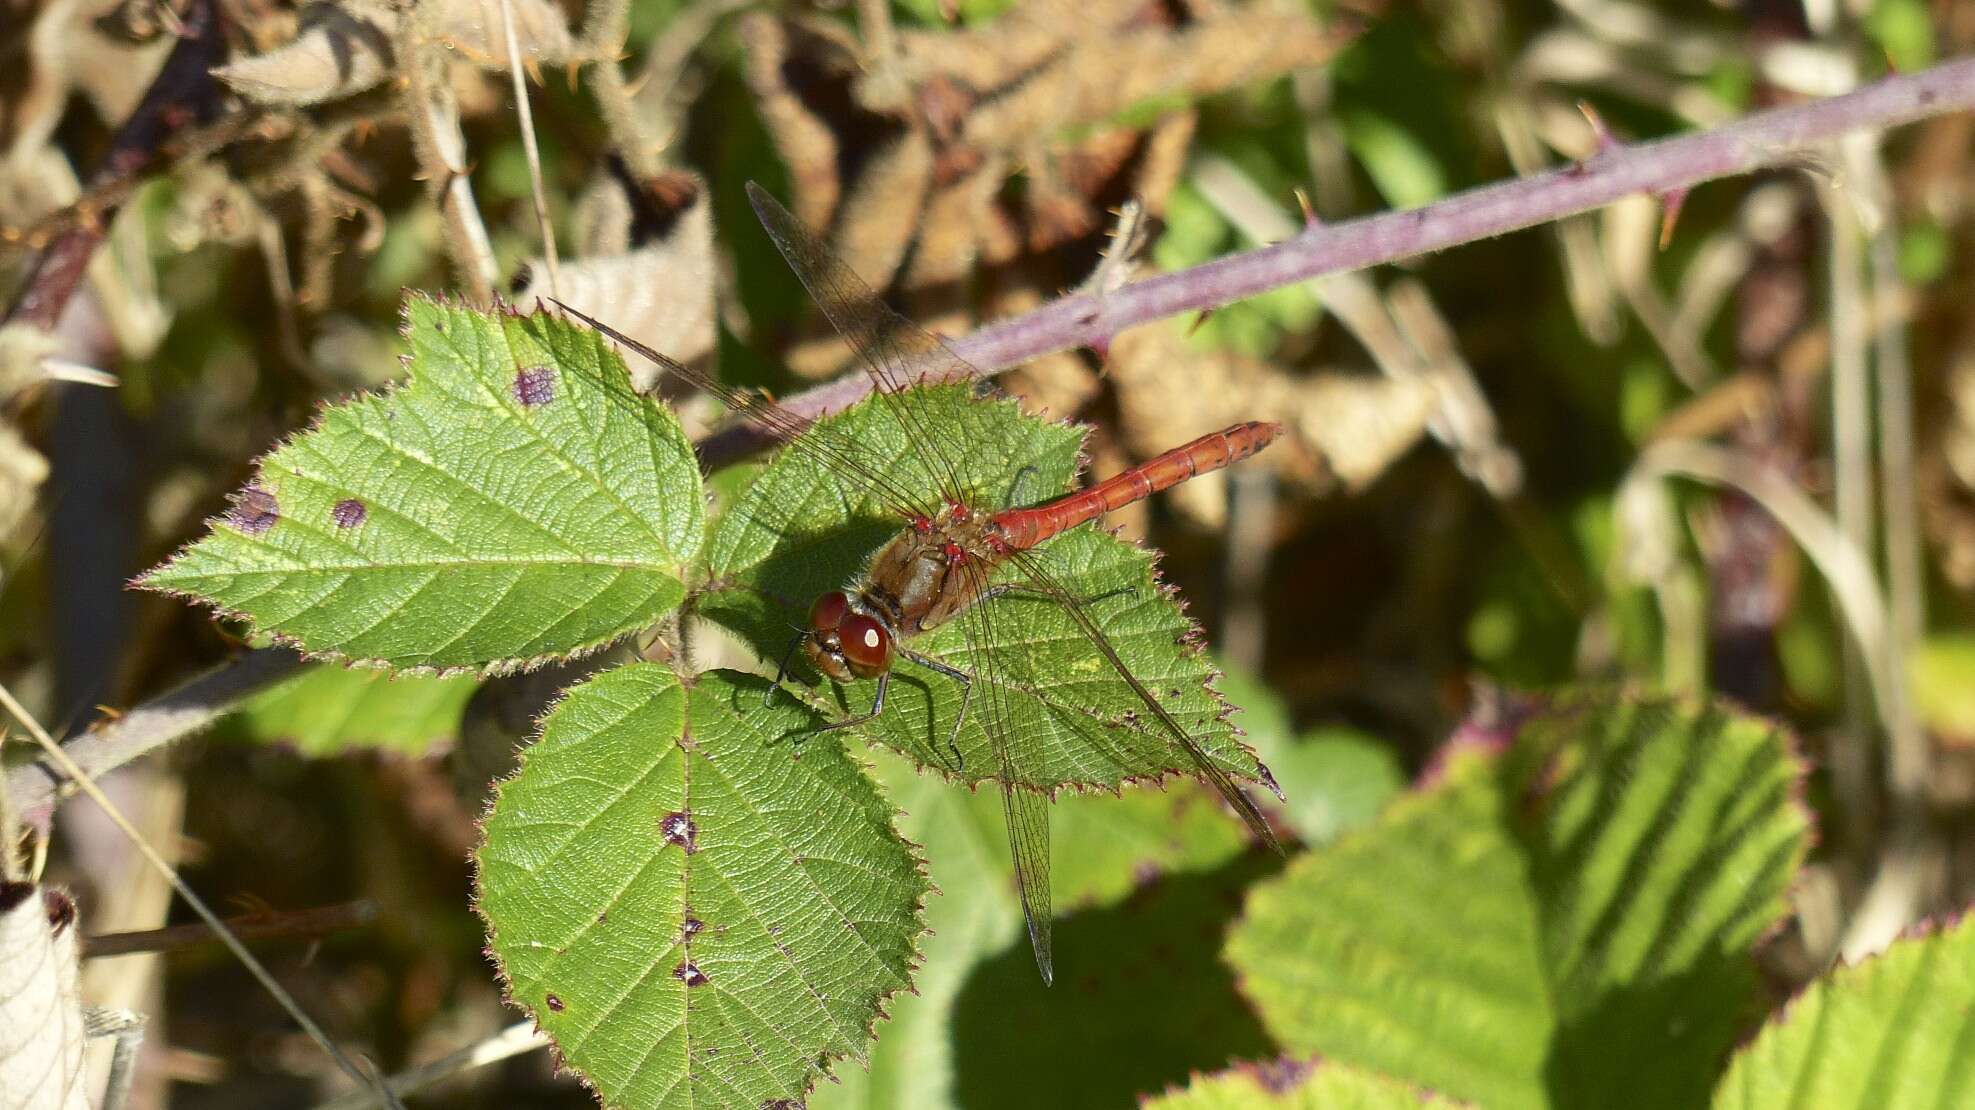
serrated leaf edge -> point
(914, 852)
(495, 668)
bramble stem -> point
(1779, 137)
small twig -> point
(1845, 567)
(433, 116)
(128, 1030)
(531, 150)
(182, 95)
(254, 926)
(33, 789)
(513, 1041)
(280, 994)
(1772, 138)
(1851, 467)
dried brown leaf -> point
(1099, 76)
(874, 228)
(340, 50)
(789, 65)
(41, 1057)
(67, 53)
(657, 284)
(474, 29)
(1020, 42)
(1351, 427)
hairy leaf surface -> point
(514, 502)
(699, 912)
(1499, 936)
(1895, 1030)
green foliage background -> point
(1558, 840)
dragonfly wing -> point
(1043, 581)
(893, 350)
(1023, 806)
(844, 455)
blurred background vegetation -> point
(1451, 515)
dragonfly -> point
(939, 567)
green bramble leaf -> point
(1297, 1085)
(1566, 923)
(1112, 858)
(805, 524)
(328, 710)
(699, 909)
(1891, 1031)
(515, 502)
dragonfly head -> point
(846, 643)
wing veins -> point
(1041, 577)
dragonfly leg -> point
(966, 682)
(782, 672)
(877, 707)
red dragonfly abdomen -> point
(1025, 528)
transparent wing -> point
(840, 453)
(893, 350)
(1026, 811)
(1042, 581)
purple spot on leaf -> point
(555, 1004)
(1278, 1076)
(349, 513)
(254, 511)
(688, 974)
(534, 387)
(690, 927)
(678, 828)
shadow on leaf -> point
(1141, 999)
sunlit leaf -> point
(699, 912)
(1892, 1031)
(1297, 1085)
(1111, 856)
(1334, 778)
(514, 502)
(806, 525)
(1567, 924)
(327, 710)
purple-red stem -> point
(183, 95)
(1780, 136)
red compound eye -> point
(828, 611)
(866, 644)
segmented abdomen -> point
(1025, 528)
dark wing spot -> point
(535, 387)
(349, 513)
(678, 828)
(688, 974)
(254, 510)
(555, 1004)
